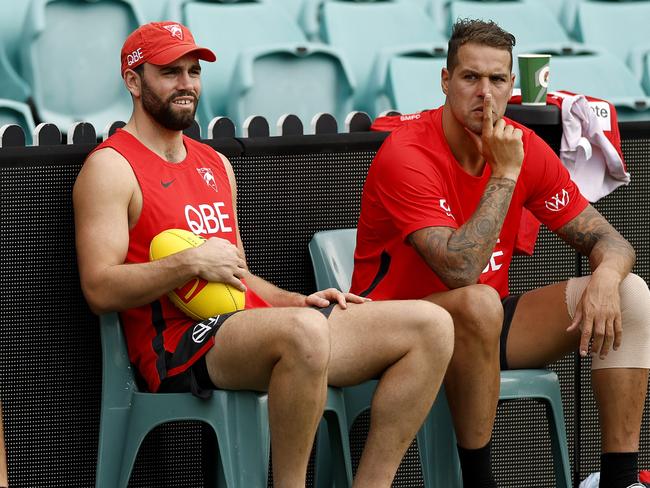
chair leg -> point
(333, 461)
(243, 438)
(559, 447)
(339, 449)
(323, 466)
(112, 439)
(437, 447)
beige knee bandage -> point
(634, 351)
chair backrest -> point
(12, 112)
(71, 59)
(600, 75)
(118, 381)
(413, 83)
(12, 19)
(12, 86)
(532, 24)
(229, 29)
(361, 31)
(304, 82)
(332, 255)
(617, 27)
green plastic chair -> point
(70, 57)
(332, 254)
(231, 28)
(366, 33)
(239, 419)
(410, 83)
(301, 79)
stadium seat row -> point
(311, 56)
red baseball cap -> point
(160, 43)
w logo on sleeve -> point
(558, 201)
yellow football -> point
(198, 298)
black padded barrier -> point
(289, 187)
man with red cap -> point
(149, 177)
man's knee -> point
(433, 328)
(304, 339)
(479, 313)
(634, 351)
(634, 295)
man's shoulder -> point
(417, 132)
(202, 148)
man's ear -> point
(133, 82)
(444, 80)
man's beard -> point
(162, 111)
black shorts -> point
(509, 307)
(196, 379)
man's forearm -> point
(274, 295)
(591, 235)
(469, 247)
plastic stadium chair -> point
(411, 83)
(12, 112)
(71, 59)
(332, 257)
(618, 27)
(303, 80)
(152, 10)
(292, 7)
(368, 33)
(239, 419)
(332, 254)
(12, 19)
(533, 24)
(12, 86)
(601, 75)
(229, 29)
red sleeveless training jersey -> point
(193, 194)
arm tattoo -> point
(591, 235)
(459, 257)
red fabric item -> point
(644, 476)
(193, 194)
(160, 43)
(415, 182)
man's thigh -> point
(247, 346)
(538, 334)
(369, 337)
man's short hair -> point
(478, 32)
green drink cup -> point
(534, 75)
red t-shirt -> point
(195, 195)
(415, 182)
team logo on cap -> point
(208, 177)
(175, 30)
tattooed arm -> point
(592, 236)
(611, 257)
(459, 256)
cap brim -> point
(172, 54)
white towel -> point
(592, 160)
